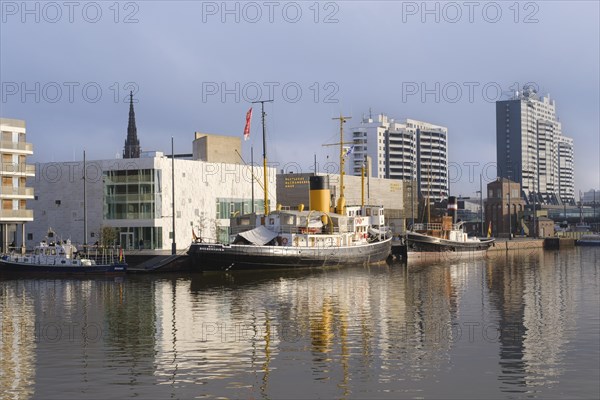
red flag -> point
(247, 128)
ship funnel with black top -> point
(319, 194)
(452, 208)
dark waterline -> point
(510, 326)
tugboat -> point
(293, 239)
(52, 256)
(433, 241)
(300, 239)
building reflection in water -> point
(533, 293)
(341, 326)
(17, 342)
(335, 333)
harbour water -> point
(512, 325)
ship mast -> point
(265, 173)
(341, 203)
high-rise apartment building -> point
(14, 192)
(528, 143)
(404, 150)
(566, 184)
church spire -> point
(132, 144)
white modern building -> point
(404, 150)
(134, 196)
(14, 192)
(528, 142)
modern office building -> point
(135, 196)
(528, 144)
(14, 191)
(404, 150)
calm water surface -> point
(524, 325)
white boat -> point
(589, 240)
(63, 257)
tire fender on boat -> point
(284, 241)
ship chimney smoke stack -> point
(452, 208)
(319, 194)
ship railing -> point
(435, 227)
(427, 227)
(103, 255)
(292, 229)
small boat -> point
(589, 240)
(446, 240)
(62, 257)
(432, 240)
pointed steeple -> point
(132, 144)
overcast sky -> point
(66, 68)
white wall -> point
(197, 186)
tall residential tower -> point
(529, 144)
(407, 150)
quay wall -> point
(516, 244)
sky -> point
(66, 69)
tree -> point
(108, 236)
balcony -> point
(16, 215)
(17, 169)
(12, 192)
(16, 147)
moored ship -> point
(299, 239)
(62, 257)
(319, 237)
(434, 241)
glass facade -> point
(132, 194)
(139, 238)
(228, 207)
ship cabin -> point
(287, 227)
(444, 230)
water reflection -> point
(511, 325)
(17, 342)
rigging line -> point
(255, 178)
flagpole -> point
(265, 173)
(252, 172)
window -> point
(30, 236)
